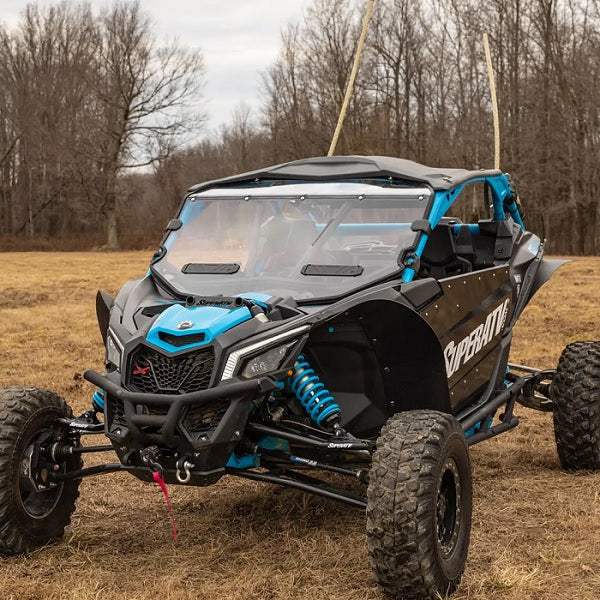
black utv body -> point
(324, 315)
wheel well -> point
(378, 358)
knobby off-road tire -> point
(419, 505)
(575, 395)
(29, 519)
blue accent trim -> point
(270, 442)
(245, 461)
(248, 461)
(257, 297)
(473, 228)
(212, 321)
(515, 214)
(408, 274)
(479, 427)
(499, 185)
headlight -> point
(272, 353)
(113, 350)
(265, 362)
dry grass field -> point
(536, 529)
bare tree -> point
(143, 94)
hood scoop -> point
(182, 340)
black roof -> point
(334, 168)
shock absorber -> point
(312, 394)
(98, 400)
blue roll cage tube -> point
(501, 189)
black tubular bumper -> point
(182, 422)
(261, 385)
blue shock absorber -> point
(312, 394)
(98, 400)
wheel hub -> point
(448, 507)
(38, 495)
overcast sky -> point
(238, 38)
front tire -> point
(575, 395)
(30, 518)
(419, 505)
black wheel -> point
(419, 505)
(33, 511)
(575, 395)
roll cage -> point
(453, 245)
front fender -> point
(377, 358)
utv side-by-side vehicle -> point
(324, 316)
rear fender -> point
(546, 269)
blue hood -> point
(211, 321)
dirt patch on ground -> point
(536, 529)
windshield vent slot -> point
(181, 340)
(332, 270)
(210, 268)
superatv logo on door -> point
(457, 355)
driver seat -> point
(439, 258)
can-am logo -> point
(459, 354)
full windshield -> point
(309, 240)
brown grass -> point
(536, 529)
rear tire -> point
(575, 395)
(30, 518)
(419, 505)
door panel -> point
(469, 320)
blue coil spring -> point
(98, 400)
(311, 393)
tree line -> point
(83, 98)
(421, 93)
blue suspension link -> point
(312, 394)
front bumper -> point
(205, 424)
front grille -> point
(154, 373)
(204, 418)
(116, 410)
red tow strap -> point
(161, 482)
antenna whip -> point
(488, 62)
(348, 95)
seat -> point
(439, 258)
(463, 242)
(493, 244)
